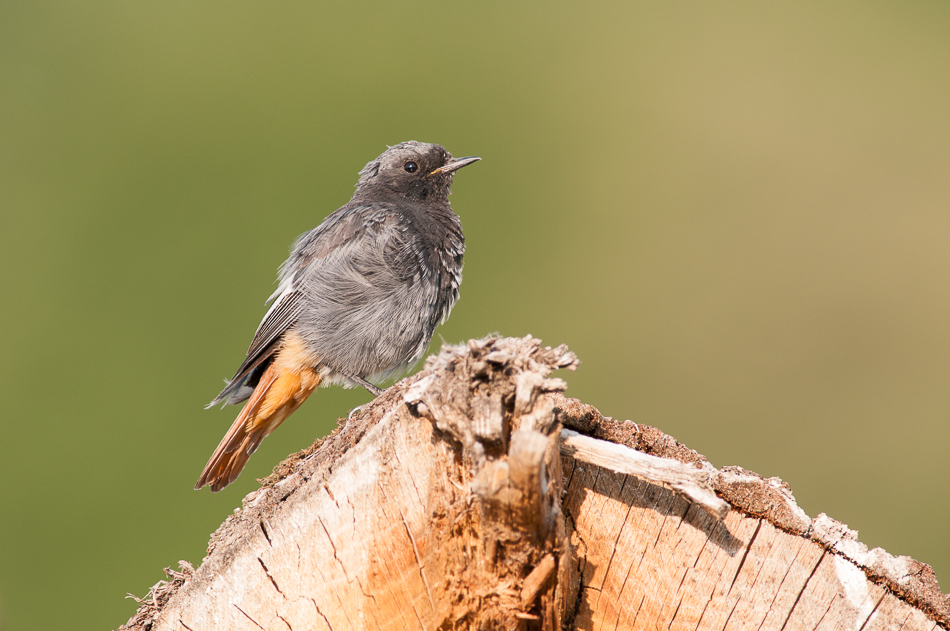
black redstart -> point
(358, 300)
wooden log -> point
(474, 495)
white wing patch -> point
(283, 289)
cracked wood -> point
(450, 503)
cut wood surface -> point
(474, 495)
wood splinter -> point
(688, 481)
(537, 580)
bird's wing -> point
(338, 233)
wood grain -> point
(452, 503)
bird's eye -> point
(411, 167)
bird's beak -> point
(456, 164)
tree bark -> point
(474, 495)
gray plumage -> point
(366, 288)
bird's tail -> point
(280, 391)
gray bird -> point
(358, 299)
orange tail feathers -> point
(278, 394)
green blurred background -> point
(737, 214)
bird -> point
(357, 300)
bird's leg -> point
(373, 389)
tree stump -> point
(474, 495)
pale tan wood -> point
(454, 502)
(777, 565)
(893, 615)
(838, 596)
(693, 483)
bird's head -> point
(415, 170)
